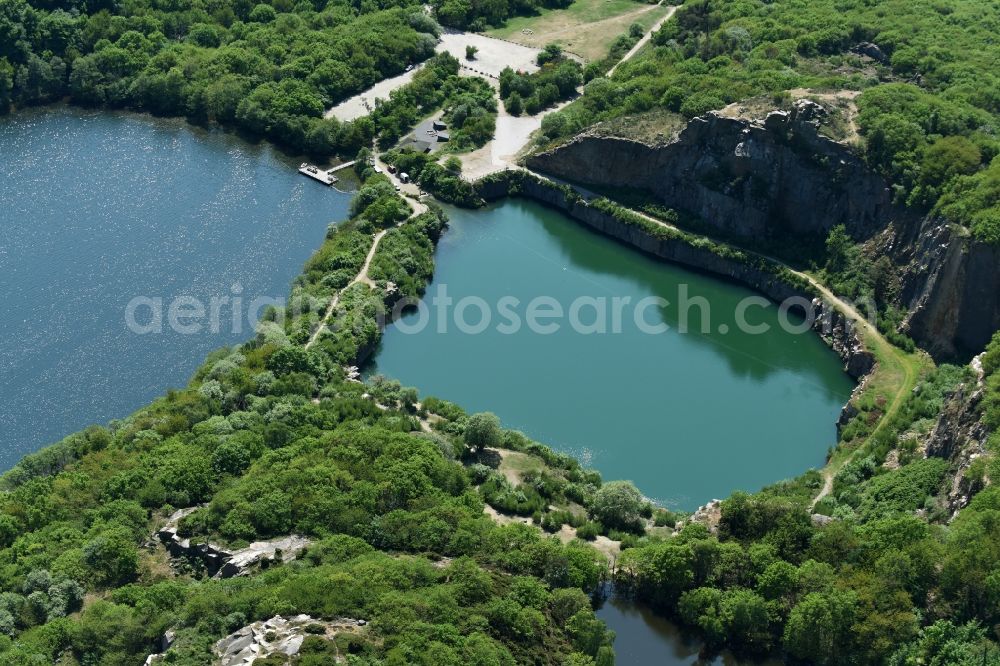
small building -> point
(440, 125)
(443, 136)
(418, 146)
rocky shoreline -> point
(763, 276)
(777, 176)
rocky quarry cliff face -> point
(831, 325)
(752, 179)
(959, 436)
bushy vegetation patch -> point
(469, 105)
(557, 80)
(928, 113)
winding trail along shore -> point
(419, 208)
(901, 368)
(890, 360)
(362, 277)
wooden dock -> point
(343, 166)
(314, 172)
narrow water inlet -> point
(644, 638)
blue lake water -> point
(98, 208)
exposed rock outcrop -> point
(832, 326)
(819, 520)
(278, 636)
(745, 178)
(841, 335)
(752, 179)
(224, 563)
(952, 288)
(871, 50)
(959, 436)
(709, 515)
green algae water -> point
(687, 416)
(644, 638)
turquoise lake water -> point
(687, 416)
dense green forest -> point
(269, 70)
(271, 439)
(928, 115)
(480, 14)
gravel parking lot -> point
(492, 56)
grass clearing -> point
(586, 28)
(655, 126)
(514, 464)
